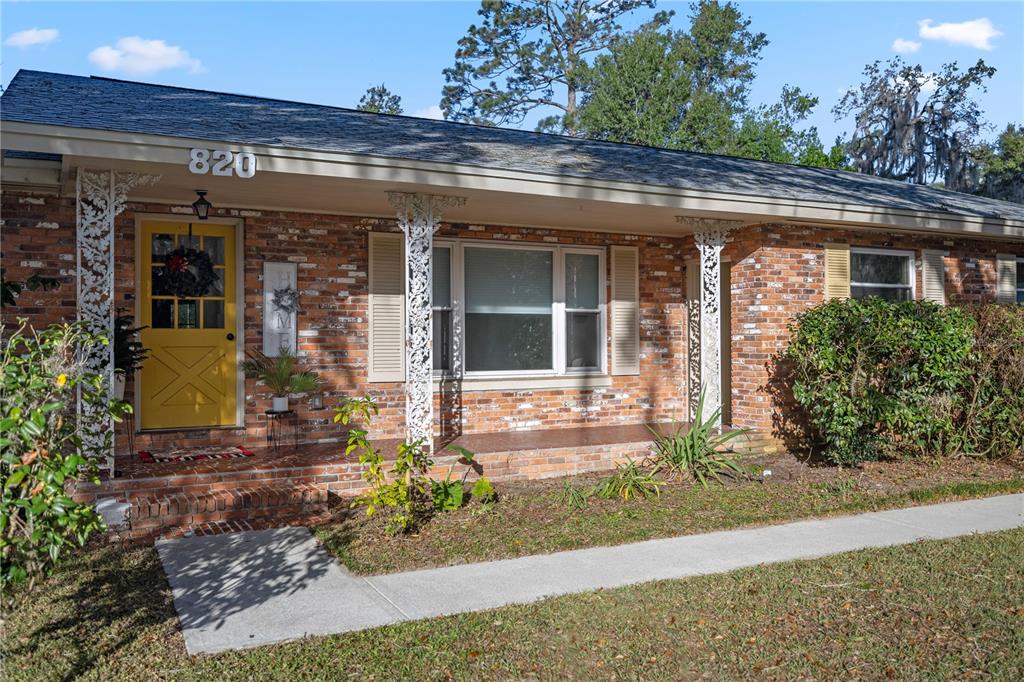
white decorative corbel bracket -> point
(419, 216)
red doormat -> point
(194, 454)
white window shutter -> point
(625, 265)
(1006, 278)
(837, 271)
(933, 276)
(386, 307)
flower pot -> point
(280, 403)
(119, 381)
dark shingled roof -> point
(125, 106)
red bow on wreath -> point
(177, 263)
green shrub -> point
(44, 447)
(990, 414)
(694, 450)
(877, 378)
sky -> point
(330, 52)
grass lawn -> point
(531, 518)
(932, 610)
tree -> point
(1002, 166)
(530, 54)
(916, 126)
(379, 100)
(638, 92)
(677, 89)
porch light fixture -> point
(201, 206)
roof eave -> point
(162, 149)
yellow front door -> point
(190, 376)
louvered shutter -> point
(933, 276)
(386, 308)
(625, 263)
(1006, 278)
(837, 271)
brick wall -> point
(778, 271)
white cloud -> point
(905, 46)
(977, 33)
(137, 55)
(433, 111)
(32, 36)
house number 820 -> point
(222, 162)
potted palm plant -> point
(128, 352)
(281, 375)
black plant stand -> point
(277, 424)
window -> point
(525, 310)
(884, 273)
(1020, 281)
(442, 286)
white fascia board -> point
(448, 177)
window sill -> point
(530, 383)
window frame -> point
(911, 269)
(1018, 290)
(450, 308)
(558, 308)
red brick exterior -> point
(777, 271)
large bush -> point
(990, 412)
(43, 448)
(876, 378)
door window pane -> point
(442, 277)
(186, 242)
(161, 285)
(162, 245)
(188, 313)
(213, 314)
(581, 281)
(217, 286)
(508, 309)
(162, 314)
(214, 247)
(582, 333)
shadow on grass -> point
(116, 597)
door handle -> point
(231, 337)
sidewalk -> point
(248, 589)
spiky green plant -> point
(280, 374)
(694, 449)
(574, 496)
(629, 481)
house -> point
(478, 282)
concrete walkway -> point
(248, 589)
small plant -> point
(573, 496)
(484, 492)
(449, 494)
(629, 481)
(840, 488)
(694, 450)
(403, 492)
(129, 353)
(280, 375)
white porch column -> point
(710, 238)
(419, 216)
(100, 197)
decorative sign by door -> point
(280, 308)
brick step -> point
(164, 512)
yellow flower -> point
(62, 379)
